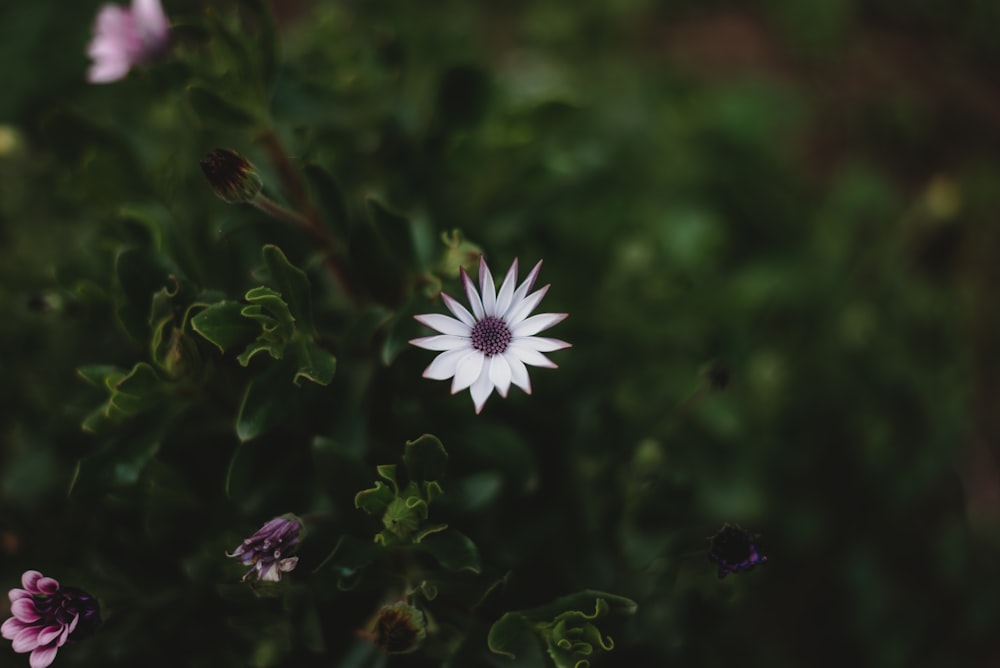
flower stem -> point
(309, 218)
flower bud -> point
(269, 552)
(734, 549)
(232, 177)
(398, 628)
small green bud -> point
(398, 628)
(458, 253)
(232, 177)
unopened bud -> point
(398, 628)
(232, 177)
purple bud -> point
(734, 549)
(270, 551)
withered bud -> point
(398, 628)
(232, 177)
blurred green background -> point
(800, 199)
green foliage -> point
(565, 626)
(772, 225)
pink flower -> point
(126, 37)
(46, 616)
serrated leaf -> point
(275, 350)
(581, 603)
(375, 500)
(510, 635)
(293, 285)
(315, 364)
(453, 550)
(94, 374)
(223, 325)
(265, 306)
(425, 459)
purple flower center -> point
(491, 336)
(61, 608)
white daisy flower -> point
(489, 347)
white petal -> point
(543, 344)
(458, 310)
(519, 310)
(470, 293)
(444, 324)
(440, 342)
(500, 374)
(537, 323)
(529, 281)
(467, 370)
(481, 390)
(506, 295)
(529, 355)
(518, 372)
(486, 288)
(444, 365)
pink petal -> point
(26, 639)
(24, 610)
(108, 70)
(48, 585)
(43, 657)
(50, 633)
(150, 17)
(29, 579)
(15, 594)
(12, 627)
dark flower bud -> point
(734, 549)
(232, 177)
(398, 628)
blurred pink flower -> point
(126, 37)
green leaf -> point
(94, 374)
(453, 550)
(292, 284)
(212, 108)
(376, 500)
(271, 310)
(582, 601)
(425, 459)
(275, 350)
(118, 464)
(266, 37)
(511, 635)
(224, 325)
(266, 402)
(315, 364)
